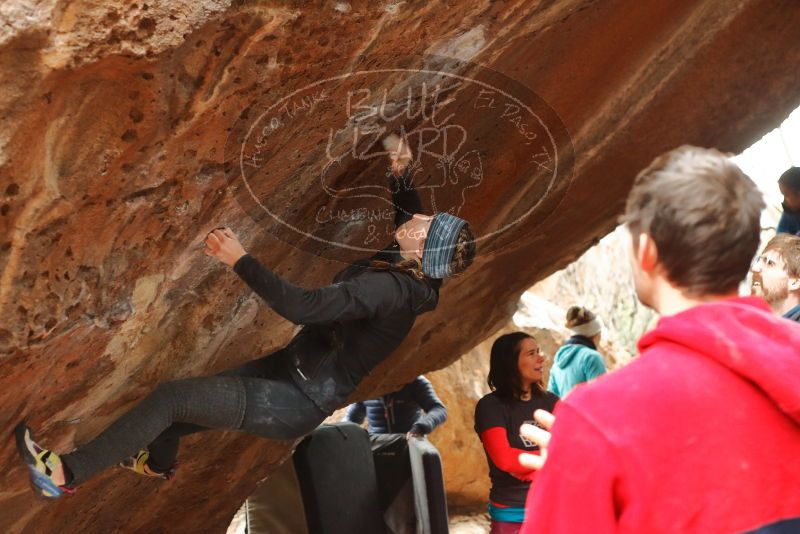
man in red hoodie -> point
(701, 433)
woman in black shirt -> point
(515, 376)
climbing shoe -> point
(41, 464)
(138, 464)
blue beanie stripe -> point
(440, 244)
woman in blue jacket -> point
(577, 361)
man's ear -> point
(794, 284)
(647, 253)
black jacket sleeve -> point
(371, 294)
(405, 197)
(435, 411)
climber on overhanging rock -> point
(349, 328)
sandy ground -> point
(469, 524)
(459, 523)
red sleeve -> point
(504, 455)
(576, 490)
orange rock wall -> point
(113, 166)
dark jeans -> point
(259, 398)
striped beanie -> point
(440, 244)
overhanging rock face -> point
(131, 129)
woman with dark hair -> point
(349, 327)
(515, 376)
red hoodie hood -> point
(743, 335)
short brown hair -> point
(703, 213)
(788, 248)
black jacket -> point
(350, 326)
(399, 412)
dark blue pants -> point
(259, 398)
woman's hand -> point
(540, 436)
(222, 244)
(400, 157)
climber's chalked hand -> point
(223, 244)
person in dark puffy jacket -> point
(348, 328)
(400, 412)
